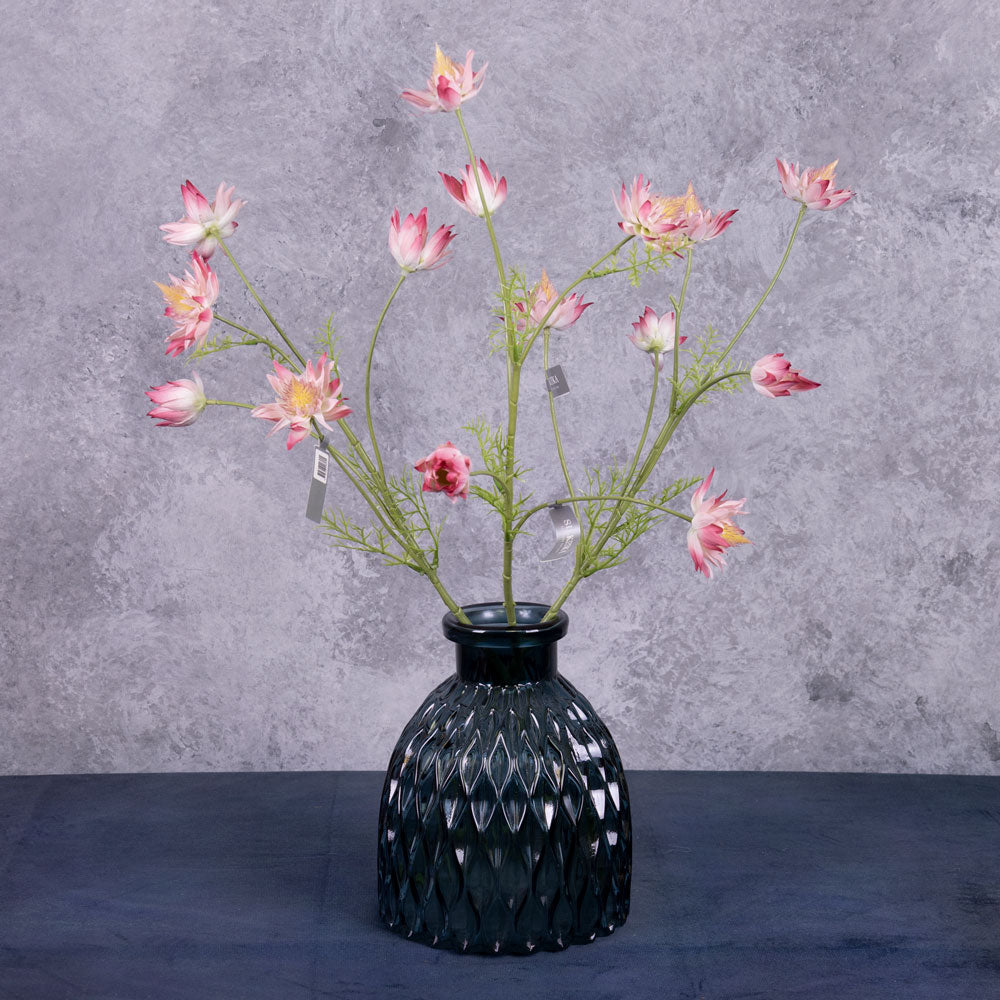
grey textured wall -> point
(166, 606)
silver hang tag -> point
(567, 529)
(555, 381)
(317, 486)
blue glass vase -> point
(504, 825)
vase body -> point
(504, 826)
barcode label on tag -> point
(317, 486)
(321, 465)
(555, 381)
(567, 530)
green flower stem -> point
(767, 291)
(513, 389)
(501, 273)
(583, 277)
(229, 402)
(678, 309)
(368, 377)
(649, 419)
(559, 447)
(256, 338)
(626, 499)
(266, 311)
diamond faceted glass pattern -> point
(504, 824)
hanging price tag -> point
(317, 487)
(567, 529)
(555, 381)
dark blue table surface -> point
(262, 887)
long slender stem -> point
(767, 291)
(514, 385)
(256, 338)
(501, 273)
(236, 326)
(264, 309)
(649, 420)
(368, 377)
(229, 402)
(555, 430)
(677, 328)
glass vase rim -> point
(489, 621)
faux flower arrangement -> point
(617, 505)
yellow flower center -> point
(443, 66)
(733, 535)
(301, 397)
(684, 204)
(176, 298)
(545, 289)
(826, 174)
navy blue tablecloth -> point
(262, 887)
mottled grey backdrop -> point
(166, 606)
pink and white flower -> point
(446, 470)
(695, 223)
(540, 301)
(813, 187)
(466, 193)
(189, 304)
(203, 223)
(773, 376)
(655, 335)
(177, 403)
(712, 528)
(644, 214)
(313, 395)
(409, 244)
(449, 84)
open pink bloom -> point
(695, 223)
(542, 296)
(813, 187)
(177, 403)
(189, 304)
(466, 193)
(311, 395)
(409, 244)
(773, 376)
(712, 528)
(649, 216)
(204, 224)
(449, 84)
(446, 470)
(655, 335)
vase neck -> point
(484, 665)
(489, 651)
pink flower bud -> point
(655, 334)
(409, 244)
(773, 376)
(177, 403)
(466, 192)
(446, 470)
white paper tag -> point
(317, 486)
(567, 530)
(555, 381)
